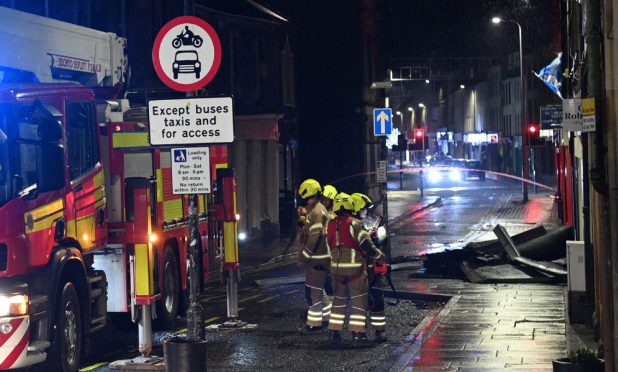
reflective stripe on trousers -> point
(354, 292)
(377, 315)
(319, 303)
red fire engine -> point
(90, 224)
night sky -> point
(327, 44)
(329, 59)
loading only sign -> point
(191, 121)
(190, 170)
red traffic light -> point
(418, 133)
(533, 129)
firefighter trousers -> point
(319, 303)
(377, 315)
(355, 293)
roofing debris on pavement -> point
(533, 256)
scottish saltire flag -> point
(552, 76)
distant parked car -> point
(474, 169)
(455, 170)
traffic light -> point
(534, 135)
(419, 138)
(419, 135)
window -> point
(82, 138)
(31, 152)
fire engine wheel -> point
(66, 348)
(170, 300)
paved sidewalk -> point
(488, 327)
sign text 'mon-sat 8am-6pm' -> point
(191, 121)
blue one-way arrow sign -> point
(382, 121)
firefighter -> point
(314, 255)
(329, 193)
(350, 246)
(376, 272)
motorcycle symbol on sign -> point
(187, 37)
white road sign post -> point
(191, 121)
(186, 56)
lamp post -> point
(522, 99)
(411, 110)
(402, 131)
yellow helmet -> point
(361, 201)
(309, 188)
(343, 202)
(329, 192)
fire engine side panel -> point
(138, 164)
(114, 263)
(113, 184)
(170, 206)
(39, 226)
(88, 199)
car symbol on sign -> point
(186, 62)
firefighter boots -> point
(334, 337)
(360, 339)
(310, 330)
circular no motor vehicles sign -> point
(186, 53)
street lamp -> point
(522, 99)
(412, 116)
(400, 114)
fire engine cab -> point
(89, 222)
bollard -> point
(182, 354)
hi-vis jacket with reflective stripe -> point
(350, 244)
(315, 251)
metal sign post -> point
(195, 314)
(186, 56)
(387, 244)
(191, 176)
(383, 126)
(422, 158)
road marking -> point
(94, 366)
(182, 330)
(250, 298)
(290, 292)
(267, 299)
(211, 298)
(209, 320)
